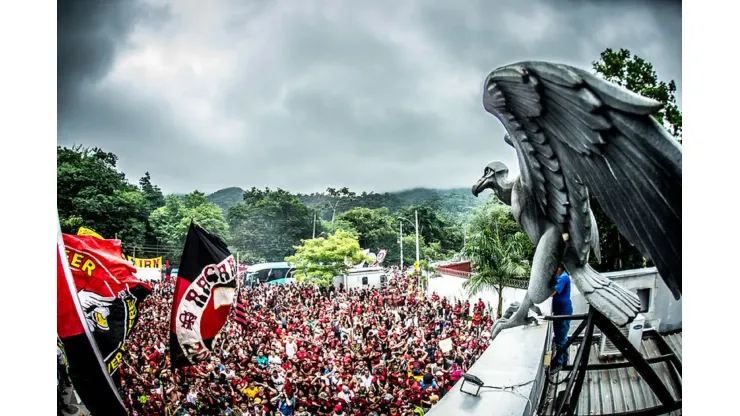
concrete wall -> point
(668, 309)
(664, 311)
(451, 287)
(516, 356)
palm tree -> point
(496, 261)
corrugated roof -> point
(675, 341)
(623, 389)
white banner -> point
(445, 345)
(148, 274)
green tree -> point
(427, 271)
(165, 220)
(376, 229)
(432, 226)
(269, 223)
(496, 261)
(325, 228)
(496, 214)
(319, 260)
(337, 198)
(433, 251)
(207, 215)
(91, 192)
(151, 192)
(171, 221)
(366, 221)
(226, 197)
(154, 200)
(195, 199)
(409, 249)
(250, 257)
(637, 75)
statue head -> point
(493, 177)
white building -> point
(359, 277)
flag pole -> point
(238, 277)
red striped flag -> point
(241, 314)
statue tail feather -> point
(613, 301)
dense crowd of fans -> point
(310, 351)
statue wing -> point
(576, 133)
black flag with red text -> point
(204, 293)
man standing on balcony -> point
(561, 305)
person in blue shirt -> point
(561, 305)
(261, 359)
(283, 404)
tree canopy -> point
(171, 221)
(498, 260)
(637, 75)
(319, 260)
(494, 214)
(265, 225)
(338, 197)
(91, 192)
(268, 223)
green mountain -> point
(452, 203)
(226, 197)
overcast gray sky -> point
(374, 95)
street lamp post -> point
(416, 225)
(416, 228)
(314, 226)
(400, 230)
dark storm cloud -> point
(89, 35)
(305, 95)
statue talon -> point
(504, 323)
(520, 317)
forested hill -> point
(450, 202)
(226, 197)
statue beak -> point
(479, 186)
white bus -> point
(270, 273)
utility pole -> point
(418, 278)
(416, 214)
(314, 226)
(400, 241)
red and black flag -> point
(204, 293)
(97, 297)
(241, 314)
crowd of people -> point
(311, 351)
